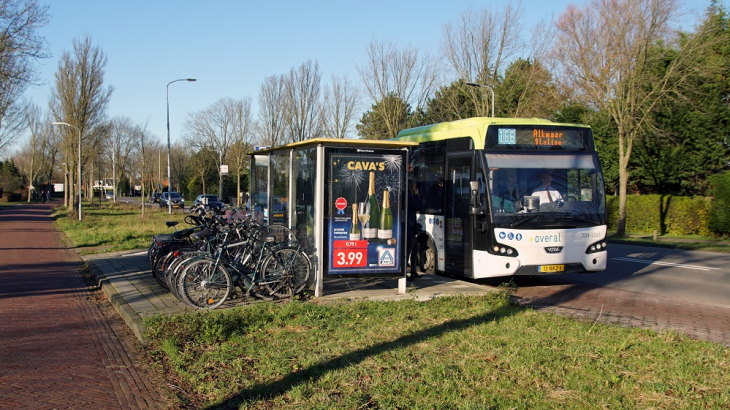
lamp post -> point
(169, 179)
(488, 88)
(79, 171)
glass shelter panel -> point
(304, 168)
(280, 187)
(260, 187)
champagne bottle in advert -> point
(355, 229)
(371, 233)
(385, 233)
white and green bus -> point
(508, 196)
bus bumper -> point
(487, 265)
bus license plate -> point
(550, 268)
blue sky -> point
(231, 46)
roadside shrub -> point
(688, 216)
(667, 214)
(719, 218)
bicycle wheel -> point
(205, 286)
(285, 272)
(158, 270)
(174, 272)
(281, 233)
(152, 253)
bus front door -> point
(457, 255)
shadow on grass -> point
(267, 391)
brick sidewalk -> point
(625, 308)
(57, 350)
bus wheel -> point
(427, 258)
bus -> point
(508, 196)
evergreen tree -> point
(10, 178)
(450, 103)
(372, 126)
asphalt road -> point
(698, 277)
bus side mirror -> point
(476, 208)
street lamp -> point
(488, 88)
(79, 171)
(169, 179)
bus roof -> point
(337, 142)
(475, 127)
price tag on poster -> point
(364, 197)
(349, 254)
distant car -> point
(155, 198)
(109, 195)
(210, 199)
(174, 198)
(279, 211)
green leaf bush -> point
(667, 214)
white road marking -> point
(676, 265)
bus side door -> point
(458, 230)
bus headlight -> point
(597, 247)
(503, 250)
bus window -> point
(427, 164)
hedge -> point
(720, 216)
(667, 214)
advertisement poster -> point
(364, 210)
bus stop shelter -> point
(325, 191)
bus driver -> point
(546, 192)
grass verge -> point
(688, 243)
(113, 227)
(467, 352)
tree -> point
(145, 147)
(270, 127)
(180, 155)
(33, 118)
(201, 165)
(217, 127)
(395, 79)
(693, 141)
(242, 146)
(373, 125)
(11, 180)
(80, 98)
(340, 100)
(450, 103)
(120, 144)
(482, 42)
(603, 49)
(527, 91)
(302, 102)
(20, 49)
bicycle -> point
(279, 271)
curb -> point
(130, 317)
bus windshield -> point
(545, 191)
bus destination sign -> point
(539, 137)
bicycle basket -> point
(281, 233)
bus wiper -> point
(576, 219)
(523, 220)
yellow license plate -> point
(278, 215)
(550, 268)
